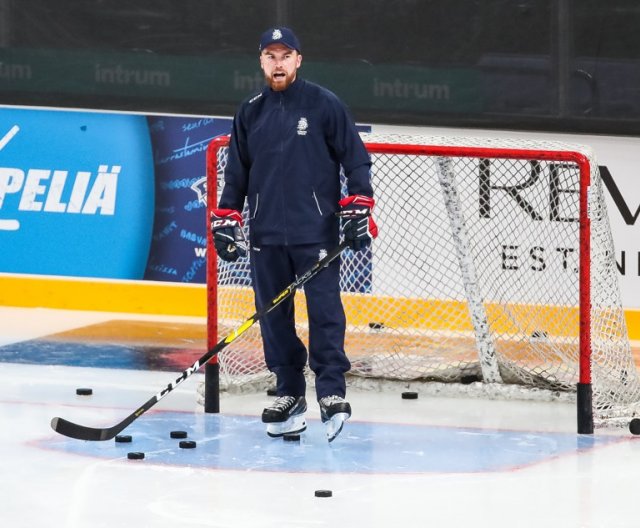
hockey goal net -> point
(494, 265)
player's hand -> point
(228, 236)
(358, 226)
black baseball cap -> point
(279, 35)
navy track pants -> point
(272, 269)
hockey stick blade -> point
(82, 432)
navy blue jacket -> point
(285, 153)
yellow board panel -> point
(164, 298)
(147, 297)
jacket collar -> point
(291, 92)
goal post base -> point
(212, 388)
(584, 400)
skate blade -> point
(334, 425)
(293, 425)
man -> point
(286, 148)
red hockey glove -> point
(358, 226)
(228, 236)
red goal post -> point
(506, 276)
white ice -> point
(232, 480)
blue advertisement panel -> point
(105, 195)
(76, 193)
(178, 248)
(110, 195)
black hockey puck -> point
(187, 444)
(291, 438)
(634, 426)
(135, 455)
(121, 439)
(178, 434)
(272, 392)
(84, 391)
(323, 493)
(409, 395)
(376, 326)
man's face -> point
(280, 65)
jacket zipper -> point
(317, 203)
(282, 177)
(255, 209)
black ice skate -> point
(285, 416)
(334, 411)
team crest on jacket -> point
(302, 126)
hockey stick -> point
(82, 432)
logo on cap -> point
(280, 35)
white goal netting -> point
(476, 275)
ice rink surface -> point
(433, 461)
